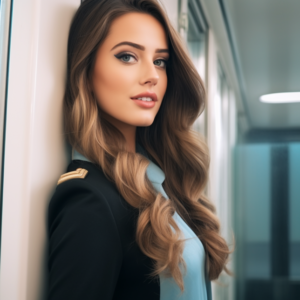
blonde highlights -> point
(169, 141)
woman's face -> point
(131, 63)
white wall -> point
(34, 145)
(171, 7)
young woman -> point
(129, 219)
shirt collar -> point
(154, 172)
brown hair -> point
(169, 140)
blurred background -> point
(243, 50)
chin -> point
(145, 122)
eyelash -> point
(119, 56)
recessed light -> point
(280, 98)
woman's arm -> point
(85, 253)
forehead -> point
(138, 28)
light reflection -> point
(281, 98)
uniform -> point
(92, 250)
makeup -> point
(143, 99)
(145, 104)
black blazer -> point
(92, 250)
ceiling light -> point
(280, 98)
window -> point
(197, 45)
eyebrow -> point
(140, 47)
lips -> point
(147, 94)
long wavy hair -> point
(170, 142)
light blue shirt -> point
(196, 284)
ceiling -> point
(266, 38)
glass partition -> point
(267, 221)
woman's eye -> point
(128, 58)
(125, 57)
(161, 63)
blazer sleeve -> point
(85, 251)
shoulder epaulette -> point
(79, 173)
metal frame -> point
(198, 15)
(5, 26)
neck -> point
(129, 134)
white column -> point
(171, 7)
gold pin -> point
(79, 173)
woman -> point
(129, 219)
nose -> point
(150, 75)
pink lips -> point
(145, 104)
(146, 94)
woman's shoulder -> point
(85, 178)
(85, 186)
(81, 179)
(76, 188)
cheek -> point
(163, 84)
(111, 80)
